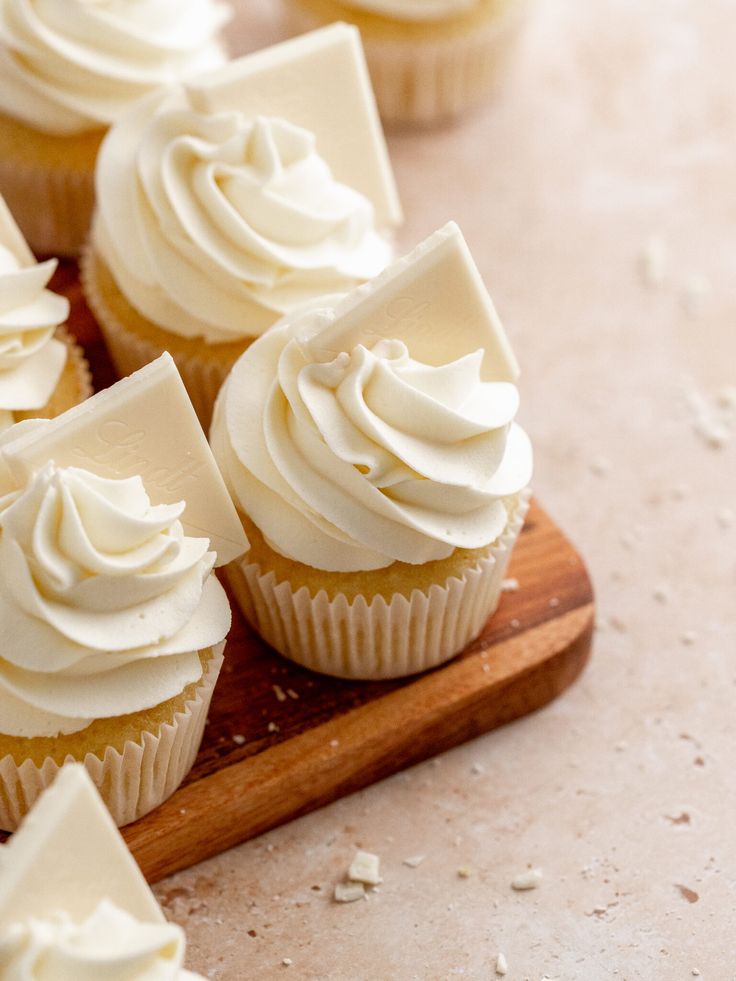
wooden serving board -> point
(282, 741)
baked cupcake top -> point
(68, 66)
(219, 210)
(380, 431)
(31, 360)
(414, 10)
(73, 903)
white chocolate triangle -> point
(12, 237)
(68, 855)
(435, 301)
(143, 425)
(318, 81)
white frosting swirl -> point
(369, 458)
(415, 10)
(215, 225)
(104, 602)
(31, 361)
(67, 66)
(110, 945)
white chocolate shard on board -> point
(143, 425)
(318, 81)
(68, 855)
(435, 301)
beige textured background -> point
(618, 124)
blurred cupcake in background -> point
(225, 203)
(430, 60)
(42, 371)
(68, 68)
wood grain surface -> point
(282, 741)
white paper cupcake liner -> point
(78, 360)
(427, 81)
(53, 207)
(202, 376)
(377, 639)
(131, 783)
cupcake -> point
(67, 70)
(73, 903)
(430, 60)
(42, 371)
(227, 203)
(113, 624)
(372, 454)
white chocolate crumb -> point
(279, 692)
(652, 263)
(477, 768)
(348, 892)
(334, 743)
(600, 466)
(688, 638)
(726, 398)
(531, 879)
(714, 434)
(695, 292)
(273, 727)
(515, 623)
(502, 966)
(695, 972)
(287, 961)
(239, 740)
(600, 909)
(621, 746)
(725, 517)
(680, 492)
(486, 668)
(464, 872)
(365, 868)
(661, 594)
(554, 602)
(414, 861)
(292, 694)
(509, 585)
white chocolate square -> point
(68, 855)
(365, 868)
(318, 81)
(435, 301)
(143, 425)
(12, 237)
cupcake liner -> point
(131, 783)
(423, 81)
(53, 207)
(376, 639)
(202, 377)
(78, 361)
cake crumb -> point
(554, 603)
(273, 727)
(292, 694)
(239, 740)
(464, 872)
(531, 879)
(279, 692)
(621, 746)
(653, 260)
(515, 623)
(695, 972)
(600, 466)
(334, 743)
(348, 892)
(287, 961)
(661, 594)
(695, 292)
(414, 861)
(365, 869)
(509, 585)
(477, 768)
(502, 966)
(486, 668)
(688, 638)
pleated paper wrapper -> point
(131, 783)
(377, 639)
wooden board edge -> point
(291, 779)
